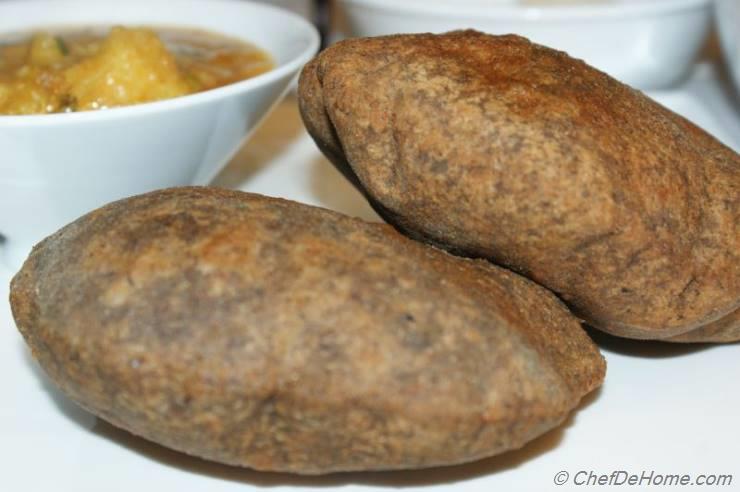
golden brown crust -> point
(495, 147)
(265, 333)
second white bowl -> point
(648, 44)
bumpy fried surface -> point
(494, 147)
(265, 333)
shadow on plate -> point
(336, 193)
(651, 349)
(393, 479)
(280, 129)
(725, 81)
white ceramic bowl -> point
(54, 168)
(305, 8)
(728, 26)
(648, 44)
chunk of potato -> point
(132, 66)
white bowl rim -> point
(533, 12)
(195, 99)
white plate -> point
(667, 409)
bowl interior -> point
(284, 35)
(287, 37)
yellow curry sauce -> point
(82, 71)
